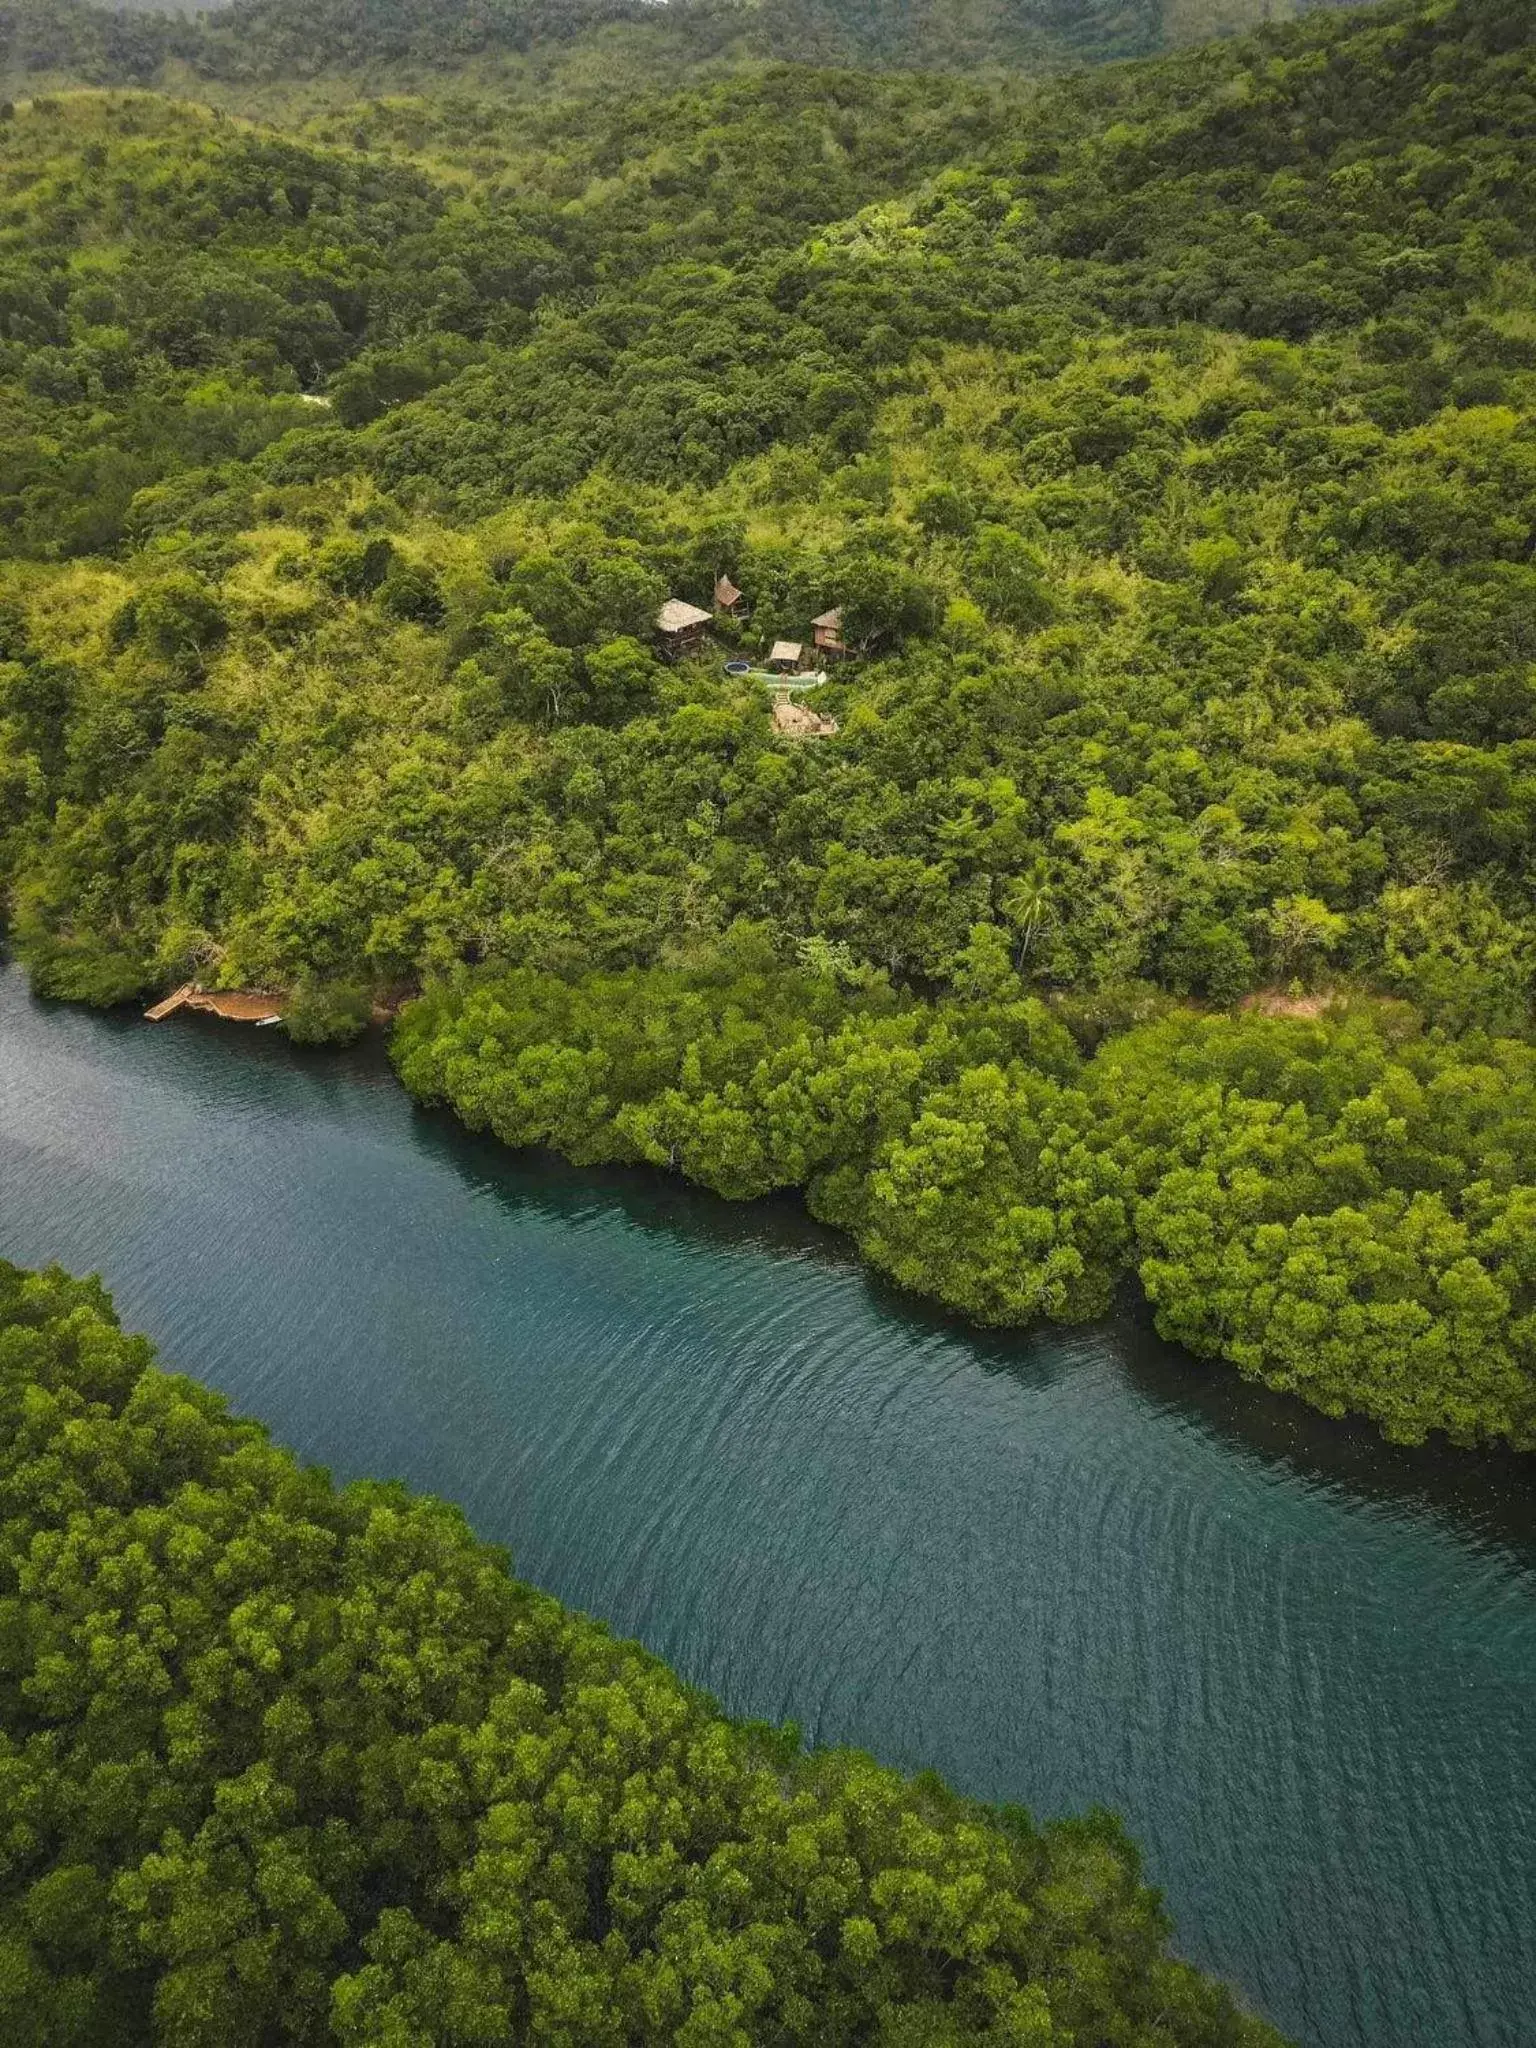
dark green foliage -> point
(282, 1763)
(262, 39)
(321, 1013)
(170, 285)
(167, 287)
(1342, 1208)
(355, 567)
(411, 592)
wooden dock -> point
(238, 1005)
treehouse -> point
(827, 632)
(681, 627)
(729, 600)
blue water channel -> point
(1067, 1568)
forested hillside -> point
(1165, 436)
(283, 1763)
(252, 40)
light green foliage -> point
(1007, 575)
(1226, 575)
(322, 1012)
(1164, 436)
(1341, 1211)
(286, 1764)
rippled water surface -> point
(1062, 1569)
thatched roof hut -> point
(681, 627)
(827, 632)
(677, 616)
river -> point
(1062, 1569)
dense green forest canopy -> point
(1166, 436)
(282, 1763)
(267, 39)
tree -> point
(355, 567)
(284, 1762)
(179, 621)
(1008, 578)
(1302, 930)
(621, 676)
(881, 601)
(944, 509)
(411, 591)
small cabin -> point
(680, 627)
(784, 657)
(728, 599)
(828, 634)
(796, 721)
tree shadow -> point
(1488, 1496)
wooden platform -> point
(238, 1005)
